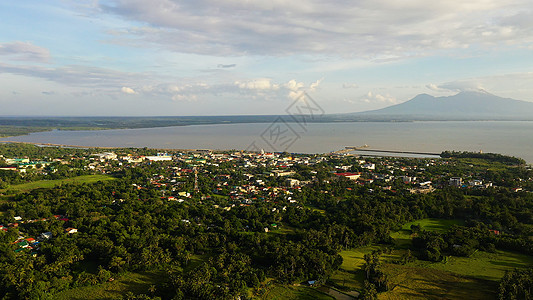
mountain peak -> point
(466, 105)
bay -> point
(506, 137)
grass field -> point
(482, 265)
(409, 282)
(137, 283)
(26, 187)
(282, 292)
(350, 276)
(402, 238)
(437, 225)
(473, 277)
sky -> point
(237, 57)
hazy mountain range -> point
(463, 106)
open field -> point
(26, 187)
(409, 282)
(482, 265)
(437, 225)
(350, 276)
(282, 292)
(402, 238)
(473, 277)
(137, 283)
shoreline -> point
(386, 153)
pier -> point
(392, 151)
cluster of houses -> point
(262, 176)
(22, 164)
(24, 243)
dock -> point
(395, 151)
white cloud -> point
(127, 90)
(315, 85)
(514, 85)
(436, 88)
(462, 86)
(257, 84)
(293, 85)
(371, 97)
(78, 76)
(383, 29)
(24, 51)
(226, 66)
(350, 86)
(179, 97)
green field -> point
(282, 292)
(137, 283)
(350, 275)
(473, 277)
(26, 187)
(482, 265)
(437, 225)
(409, 282)
(402, 238)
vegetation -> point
(517, 284)
(221, 227)
(282, 292)
(26, 187)
(494, 157)
(6, 130)
(134, 283)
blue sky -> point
(204, 57)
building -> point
(106, 155)
(45, 235)
(9, 169)
(369, 166)
(351, 176)
(280, 173)
(456, 181)
(159, 157)
(71, 230)
(292, 182)
(16, 161)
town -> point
(52, 196)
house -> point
(9, 169)
(159, 157)
(351, 176)
(425, 184)
(456, 181)
(280, 173)
(475, 182)
(106, 156)
(292, 182)
(407, 179)
(46, 235)
(71, 230)
(16, 161)
(369, 166)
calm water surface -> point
(511, 138)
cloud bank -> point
(381, 29)
(24, 51)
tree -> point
(369, 291)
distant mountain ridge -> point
(478, 105)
